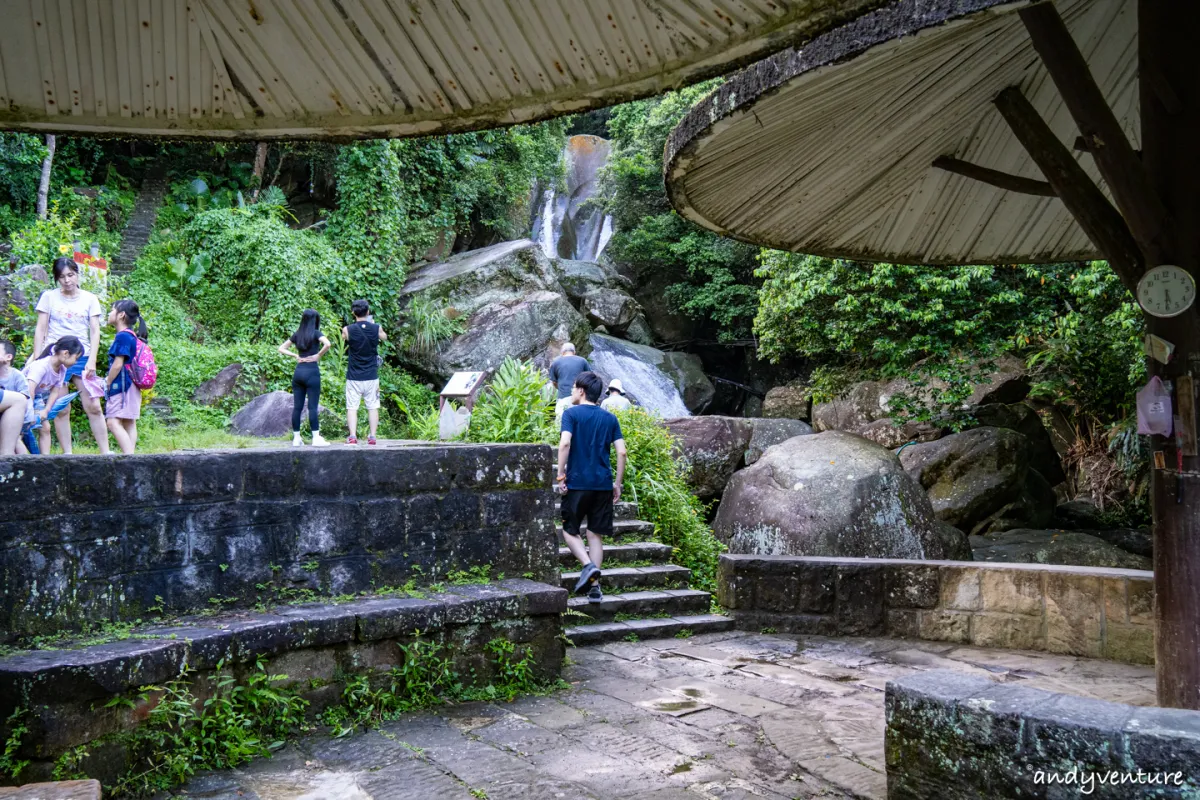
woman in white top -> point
(70, 311)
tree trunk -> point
(260, 166)
(43, 197)
(1170, 121)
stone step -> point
(665, 602)
(622, 553)
(648, 628)
(632, 529)
(667, 575)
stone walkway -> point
(724, 715)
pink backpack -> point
(142, 369)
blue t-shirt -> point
(124, 345)
(564, 370)
(593, 430)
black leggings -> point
(306, 383)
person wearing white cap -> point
(616, 399)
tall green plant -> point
(517, 406)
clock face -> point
(1166, 291)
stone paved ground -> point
(725, 715)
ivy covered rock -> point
(830, 494)
(981, 480)
(227, 383)
(769, 432)
(1034, 546)
(713, 449)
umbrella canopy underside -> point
(829, 149)
(263, 69)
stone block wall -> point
(88, 539)
(953, 736)
(1084, 611)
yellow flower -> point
(64, 248)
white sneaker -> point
(319, 441)
(297, 441)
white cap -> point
(615, 383)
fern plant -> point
(426, 325)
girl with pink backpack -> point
(131, 369)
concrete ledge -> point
(951, 736)
(316, 644)
(1084, 611)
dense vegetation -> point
(224, 278)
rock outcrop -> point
(612, 308)
(225, 384)
(1054, 547)
(830, 494)
(980, 480)
(787, 402)
(269, 416)
(1025, 421)
(713, 448)
(770, 432)
(513, 303)
(19, 291)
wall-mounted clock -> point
(1166, 291)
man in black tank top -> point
(362, 369)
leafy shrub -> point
(516, 406)
(426, 325)
(263, 274)
(47, 239)
(657, 482)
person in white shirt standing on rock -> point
(70, 311)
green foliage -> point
(713, 278)
(517, 406)
(239, 722)
(47, 239)
(21, 156)
(17, 725)
(263, 274)
(426, 325)
(189, 272)
(657, 482)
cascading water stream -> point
(569, 226)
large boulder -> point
(1054, 547)
(668, 325)
(830, 494)
(980, 480)
(1025, 421)
(512, 301)
(228, 383)
(668, 384)
(1078, 515)
(580, 277)
(270, 415)
(611, 308)
(770, 432)
(787, 402)
(20, 290)
(713, 448)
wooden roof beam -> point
(994, 177)
(1119, 165)
(1099, 219)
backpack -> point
(142, 368)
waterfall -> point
(569, 226)
(636, 366)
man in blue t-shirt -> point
(584, 471)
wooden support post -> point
(1100, 221)
(1169, 96)
(1140, 205)
(994, 177)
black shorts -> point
(594, 505)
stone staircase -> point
(645, 595)
(141, 220)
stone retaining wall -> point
(89, 539)
(953, 736)
(1084, 611)
(65, 693)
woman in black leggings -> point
(307, 345)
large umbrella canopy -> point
(830, 149)
(260, 69)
